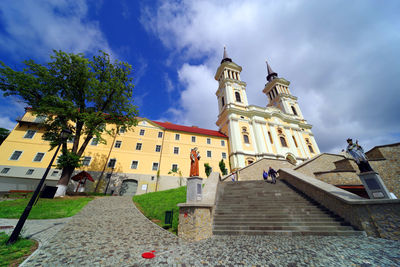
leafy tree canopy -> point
(74, 92)
(222, 167)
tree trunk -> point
(63, 182)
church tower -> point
(277, 132)
(277, 91)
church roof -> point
(188, 129)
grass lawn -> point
(44, 208)
(154, 205)
(16, 253)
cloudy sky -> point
(342, 57)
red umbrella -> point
(80, 176)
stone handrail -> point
(379, 218)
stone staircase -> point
(261, 208)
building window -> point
(29, 172)
(55, 173)
(16, 155)
(122, 130)
(5, 170)
(39, 156)
(94, 142)
(193, 139)
(283, 141)
(237, 96)
(139, 146)
(208, 154)
(222, 142)
(246, 139)
(158, 148)
(141, 132)
(176, 150)
(134, 164)
(223, 155)
(86, 161)
(118, 144)
(223, 101)
(295, 142)
(160, 134)
(177, 137)
(294, 110)
(310, 148)
(270, 137)
(29, 134)
(174, 167)
(111, 163)
(209, 141)
(155, 166)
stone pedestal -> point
(195, 221)
(194, 189)
(374, 185)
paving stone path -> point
(110, 231)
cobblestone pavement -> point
(112, 232)
(40, 230)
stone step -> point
(284, 228)
(279, 216)
(275, 214)
(266, 205)
(276, 220)
(290, 233)
(270, 209)
(280, 223)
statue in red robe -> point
(194, 162)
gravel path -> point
(110, 231)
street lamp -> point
(14, 236)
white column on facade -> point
(266, 137)
(253, 136)
(259, 137)
(305, 147)
(229, 94)
(276, 140)
(292, 146)
(244, 96)
(315, 146)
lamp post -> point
(25, 214)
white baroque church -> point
(277, 131)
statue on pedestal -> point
(194, 162)
(357, 152)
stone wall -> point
(195, 221)
(378, 218)
(321, 163)
(389, 167)
(339, 177)
(254, 171)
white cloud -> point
(342, 62)
(5, 122)
(37, 27)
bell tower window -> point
(283, 141)
(237, 96)
(246, 139)
(222, 101)
(294, 110)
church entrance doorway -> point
(128, 188)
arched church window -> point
(246, 139)
(237, 96)
(223, 101)
(283, 141)
(294, 110)
(310, 148)
(244, 129)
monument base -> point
(374, 185)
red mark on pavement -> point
(148, 255)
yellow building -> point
(141, 159)
(152, 153)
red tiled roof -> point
(181, 128)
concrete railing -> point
(378, 218)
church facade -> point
(277, 131)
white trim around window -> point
(37, 154)
(19, 156)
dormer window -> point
(237, 96)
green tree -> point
(207, 169)
(3, 134)
(222, 167)
(77, 93)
